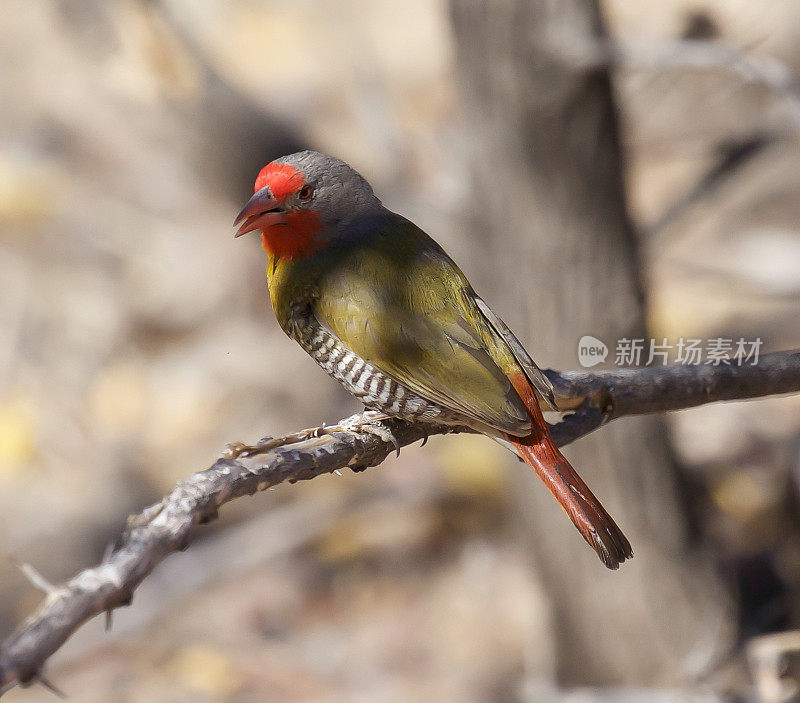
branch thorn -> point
(50, 686)
(35, 578)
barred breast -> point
(366, 382)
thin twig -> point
(701, 55)
(732, 159)
(164, 527)
(36, 579)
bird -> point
(383, 309)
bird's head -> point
(301, 202)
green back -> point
(397, 300)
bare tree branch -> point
(733, 157)
(655, 389)
(700, 55)
(597, 397)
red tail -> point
(588, 515)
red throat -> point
(296, 237)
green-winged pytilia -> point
(384, 310)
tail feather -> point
(588, 515)
(568, 488)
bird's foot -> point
(368, 422)
(233, 450)
(371, 422)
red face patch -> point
(283, 180)
(296, 239)
(296, 236)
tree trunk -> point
(558, 260)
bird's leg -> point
(233, 450)
(368, 422)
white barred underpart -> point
(372, 387)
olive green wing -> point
(401, 304)
(540, 382)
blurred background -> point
(617, 169)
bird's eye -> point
(306, 192)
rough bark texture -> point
(559, 249)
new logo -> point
(591, 351)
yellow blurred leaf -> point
(205, 670)
(744, 498)
(377, 530)
(118, 400)
(17, 436)
(25, 189)
(473, 465)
